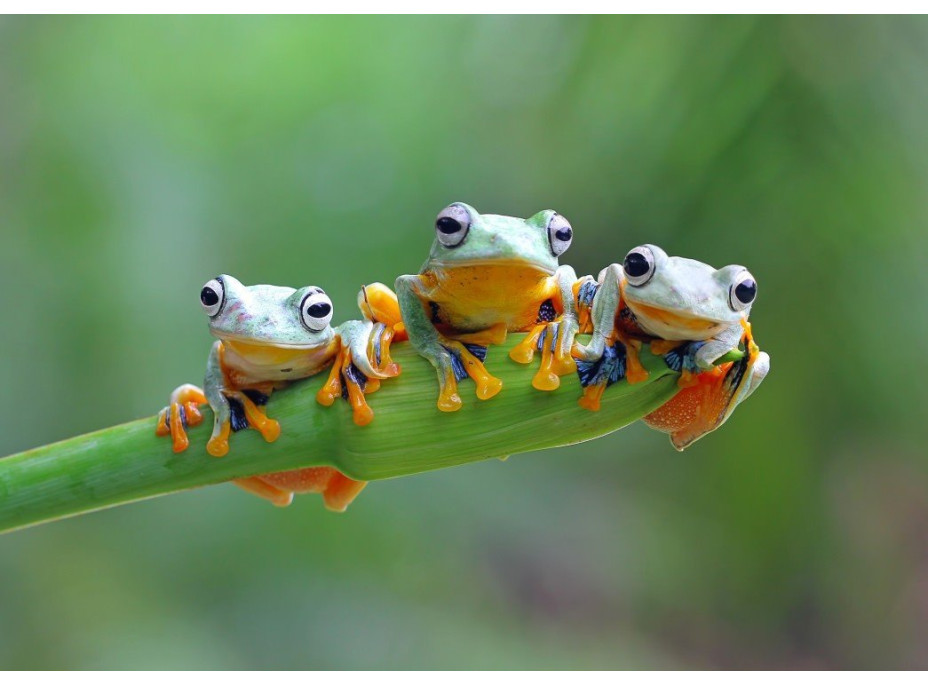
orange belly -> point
(474, 298)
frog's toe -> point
(218, 444)
(245, 410)
(182, 412)
(261, 488)
(467, 361)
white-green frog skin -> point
(691, 313)
(674, 299)
(269, 336)
(487, 275)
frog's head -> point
(267, 315)
(681, 299)
(465, 237)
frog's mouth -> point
(698, 327)
(512, 264)
(247, 344)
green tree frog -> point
(487, 275)
(688, 311)
(268, 337)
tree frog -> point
(688, 311)
(487, 275)
(269, 336)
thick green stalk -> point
(408, 435)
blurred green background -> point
(139, 157)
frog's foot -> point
(347, 381)
(182, 412)
(680, 356)
(378, 303)
(259, 487)
(556, 360)
(338, 491)
(596, 375)
(467, 360)
(246, 409)
(635, 371)
(706, 405)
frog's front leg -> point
(183, 411)
(452, 359)
(553, 335)
(361, 362)
(234, 409)
(604, 312)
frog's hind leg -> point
(259, 487)
(378, 303)
(338, 490)
(182, 412)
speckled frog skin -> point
(486, 275)
(267, 337)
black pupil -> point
(746, 291)
(564, 234)
(636, 264)
(208, 296)
(448, 225)
(318, 310)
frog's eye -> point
(559, 234)
(213, 296)
(452, 225)
(743, 291)
(639, 265)
(316, 310)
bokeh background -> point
(141, 156)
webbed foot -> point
(244, 409)
(455, 360)
(338, 491)
(554, 339)
(183, 411)
(706, 404)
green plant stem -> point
(408, 435)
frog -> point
(267, 337)
(487, 275)
(689, 312)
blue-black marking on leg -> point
(547, 313)
(353, 375)
(256, 396)
(181, 411)
(460, 372)
(587, 292)
(237, 419)
(683, 357)
(543, 336)
(606, 370)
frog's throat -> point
(243, 342)
(448, 265)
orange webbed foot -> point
(183, 411)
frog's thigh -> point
(380, 304)
(258, 486)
